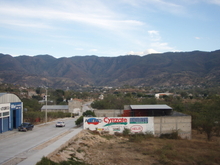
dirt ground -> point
(115, 150)
(94, 149)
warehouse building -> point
(11, 112)
(55, 108)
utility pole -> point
(46, 107)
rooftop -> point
(162, 106)
(55, 107)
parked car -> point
(25, 127)
(60, 124)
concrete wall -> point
(167, 124)
(162, 124)
(127, 107)
(108, 112)
(74, 104)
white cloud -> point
(26, 24)
(148, 51)
(157, 42)
(154, 5)
(198, 38)
(93, 50)
(162, 46)
(154, 35)
(217, 2)
(78, 48)
(92, 13)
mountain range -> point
(162, 69)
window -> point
(5, 113)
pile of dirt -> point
(93, 148)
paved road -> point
(20, 144)
(87, 106)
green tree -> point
(89, 113)
(38, 90)
(184, 94)
(31, 104)
(60, 101)
(207, 119)
(79, 120)
(37, 97)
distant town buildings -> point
(158, 95)
(101, 97)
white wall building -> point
(158, 95)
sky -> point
(108, 28)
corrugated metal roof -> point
(64, 107)
(162, 106)
(8, 98)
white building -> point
(158, 95)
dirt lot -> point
(98, 149)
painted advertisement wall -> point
(118, 124)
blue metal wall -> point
(5, 124)
(0, 125)
(15, 115)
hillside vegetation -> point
(166, 69)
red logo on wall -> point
(136, 128)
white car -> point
(60, 124)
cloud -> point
(91, 13)
(162, 46)
(154, 35)
(148, 51)
(154, 5)
(157, 41)
(217, 2)
(78, 48)
(93, 50)
(198, 38)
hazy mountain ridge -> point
(185, 68)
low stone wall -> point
(168, 124)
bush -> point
(79, 120)
(149, 134)
(138, 137)
(126, 132)
(173, 135)
(46, 161)
(89, 113)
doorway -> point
(14, 119)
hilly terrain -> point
(165, 69)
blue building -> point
(11, 112)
